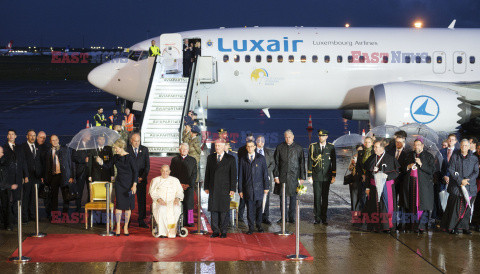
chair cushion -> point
(98, 206)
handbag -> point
(43, 191)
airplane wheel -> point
(183, 232)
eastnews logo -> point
(398, 217)
(59, 57)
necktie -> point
(33, 151)
(449, 154)
(261, 152)
(54, 166)
(397, 154)
(219, 157)
(251, 158)
(321, 149)
(13, 147)
(136, 152)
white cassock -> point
(166, 216)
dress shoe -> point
(249, 232)
(241, 221)
(260, 229)
(317, 222)
(267, 222)
(467, 231)
(291, 221)
(214, 235)
(143, 225)
(324, 223)
(454, 231)
(279, 221)
(223, 235)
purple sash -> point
(414, 174)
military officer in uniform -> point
(321, 171)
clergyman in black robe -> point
(421, 166)
(378, 213)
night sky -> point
(112, 23)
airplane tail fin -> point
(10, 44)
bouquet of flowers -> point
(301, 189)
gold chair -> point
(98, 201)
(234, 213)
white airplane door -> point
(439, 62)
(459, 62)
(171, 51)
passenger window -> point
(418, 59)
(339, 59)
(350, 58)
(459, 59)
(361, 59)
(428, 59)
(225, 58)
(258, 58)
(314, 58)
(472, 59)
(236, 58)
(385, 59)
(269, 58)
(439, 59)
(291, 58)
(327, 59)
(280, 58)
(303, 58)
(247, 58)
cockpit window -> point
(143, 56)
(134, 55)
(138, 55)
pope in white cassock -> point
(166, 193)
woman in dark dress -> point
(125, 183)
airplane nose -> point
(103, 76)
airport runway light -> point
(347, 25)
(418, 24)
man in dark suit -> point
(268, 154)
(34, 166)
(322, 170)
(242, 151)
(401, 182)
(446, 153)
(82, 162)
(142, 160)
(289, 170)
(220, 184)
(184, 168)
(101, 172)
(59, 173)
(17, 175)
(253, 184)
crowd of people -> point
(391, 189)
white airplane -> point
(7, 49)
(389, 76)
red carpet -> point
(145, 248)
(141, 246)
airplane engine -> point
(403, 103)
